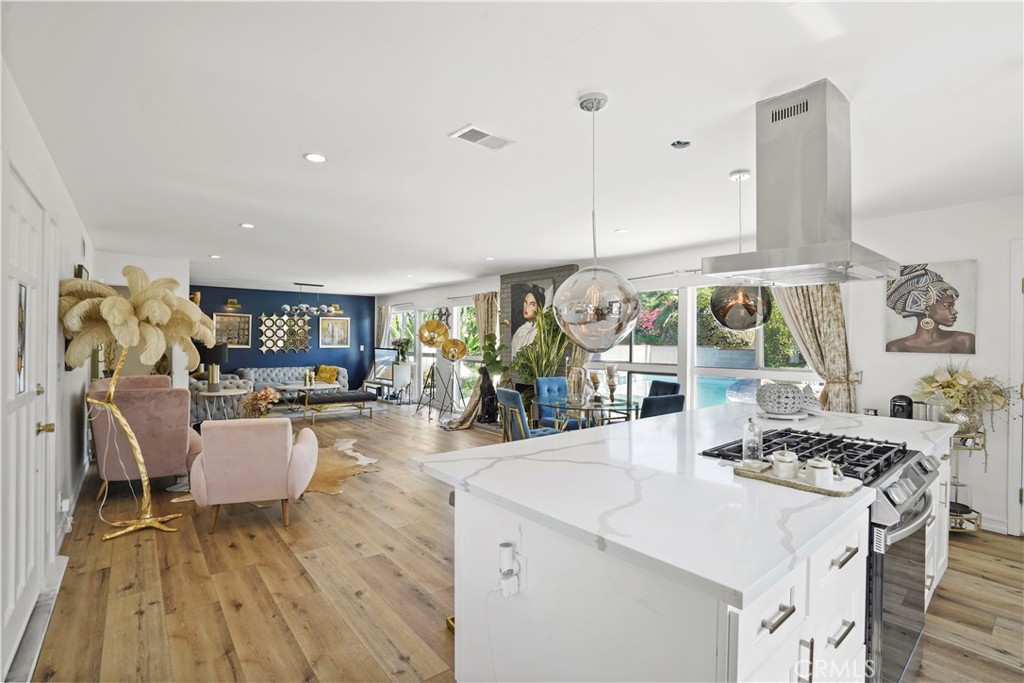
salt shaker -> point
(752, 444)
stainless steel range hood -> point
(803, 196)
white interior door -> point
(23, 369)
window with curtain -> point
(729, 365)
(403, 325)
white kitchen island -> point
(642, 560)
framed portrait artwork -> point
(932, 308)
(334, 333)
(233, 329)
(528, 300)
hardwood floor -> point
(974, 629)
(356, 589)
(360, 584)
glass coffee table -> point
(591, 413)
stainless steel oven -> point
(896, 592)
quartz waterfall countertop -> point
(642, 492)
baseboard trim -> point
(998, 526)
(27, 656)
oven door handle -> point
(914, 526)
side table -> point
(210, 401)
(961, 516)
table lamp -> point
(213, 357)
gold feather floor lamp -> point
(151, 318)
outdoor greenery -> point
(403, 325)
(658, 322)
(469, 333)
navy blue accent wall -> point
(358, 309)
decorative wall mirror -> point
(280, 333)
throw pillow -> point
(326, 373)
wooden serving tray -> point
(844, 487)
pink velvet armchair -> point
(159, 416)
(249, 460)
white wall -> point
(980, 231)
(24, 149)
(983, 232)
(107, 267)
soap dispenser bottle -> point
(752, 445)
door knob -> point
(48, 427)
(40, 390)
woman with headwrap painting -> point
(922, 293)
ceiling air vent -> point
(789, 112)
(480, 137)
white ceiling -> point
(171, 123)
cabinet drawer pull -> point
(773, 626)
(841, 561)
(931, 581)
(810, 662)
(945, 493)
(838, 640)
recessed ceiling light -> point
(681, 144)
(315, 157)
(408, 275)
(214, 256)
(621, 230)
(250, 226)
(488, 258)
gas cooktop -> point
(864, 459)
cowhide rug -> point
(336, 464)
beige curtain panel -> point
(486, 304)
(382, 328)
(815, 316)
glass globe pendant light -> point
(739, 307)
(596, 307)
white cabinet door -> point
(937, 533)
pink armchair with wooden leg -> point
(249, 460)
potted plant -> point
(543, 356)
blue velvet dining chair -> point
(515, 424)
(662, 405)
(663, 388)
(552, 388)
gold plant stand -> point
(146, 520)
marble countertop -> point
(640, 490)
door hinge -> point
(1020, 496)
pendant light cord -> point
(739, 237)
(593, 181)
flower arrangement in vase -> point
(402, 345)
(258, 403)
(966, 397)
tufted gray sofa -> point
(197, 410)
(273, 377)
